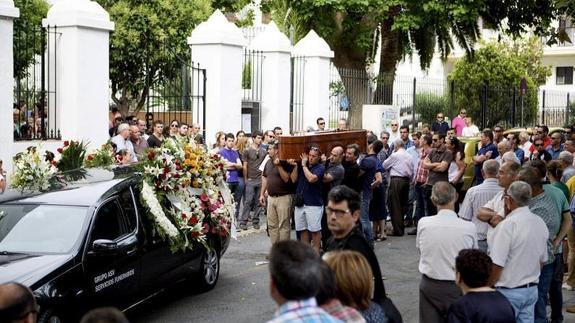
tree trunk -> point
(391, 54)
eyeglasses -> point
(555, 137)
(439, 117)
(338, 213)
(463, 112)
(394, 124)
(173, 126)
(434, 140)
(384, 138)
(321, 123)
(538, 145)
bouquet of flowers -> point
(101, 158)
(71, 160)
(33, 172)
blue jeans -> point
(364, 219)
(523, 301)
(543, 290)
(419, 202)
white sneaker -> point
(568, 287)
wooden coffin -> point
(291, 147)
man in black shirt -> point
(351, 177)
(343, 212)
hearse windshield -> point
(40, 229)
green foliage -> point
(27, 34)
(149, 44)
(247, 75)
(71, 160)
(428, 105)
(500, 67)
(101, 158)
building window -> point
(564, 75)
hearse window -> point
(127, 203)
(108, 224)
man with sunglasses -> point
(320, 124)
(308, 216)
(540, 152)
(439, 125)
(459, 122)
(17, 304)
(556, 146)
(393, 130)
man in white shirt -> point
(400, 168)
(478, 196)
(122, 140)
(494, 210)
(439, 240)
(518, 249)
(393, 130)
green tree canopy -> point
(498, 68)
(149, 44)
(27, 34)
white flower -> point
(157, 211)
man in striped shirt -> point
(478, 196)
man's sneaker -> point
(243, 227)
(568, 287)
(256, 226)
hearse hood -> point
(29, 269)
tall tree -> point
(407, 27)
(27, 34)
(149, 44)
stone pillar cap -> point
(271, 40)
(83, 13)
(217, 30)
(312, 46)
(8, 10)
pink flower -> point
(204, 197)
(206, 228)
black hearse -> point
(92, 245)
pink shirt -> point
(458, 123)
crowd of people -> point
(520, 181)
(492, 252)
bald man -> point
(17, 304)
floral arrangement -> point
(33, 172)
(191, 182)
(71, 160)
(101, 158)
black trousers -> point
(435, 298)
(431, 209)
(398, 197)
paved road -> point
(242, 291)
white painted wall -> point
(7, 14)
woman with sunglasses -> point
(174, 130)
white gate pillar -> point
(217, 46)
(83, 83)
(275, 109)
(316, 77)
(7, 15)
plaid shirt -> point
(421, 173)
(304, 311)
(344, 313)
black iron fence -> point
(181, 97)
(35, 113)
(419, 99)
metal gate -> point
(35, 115)
(252, 73)
(181, 97)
